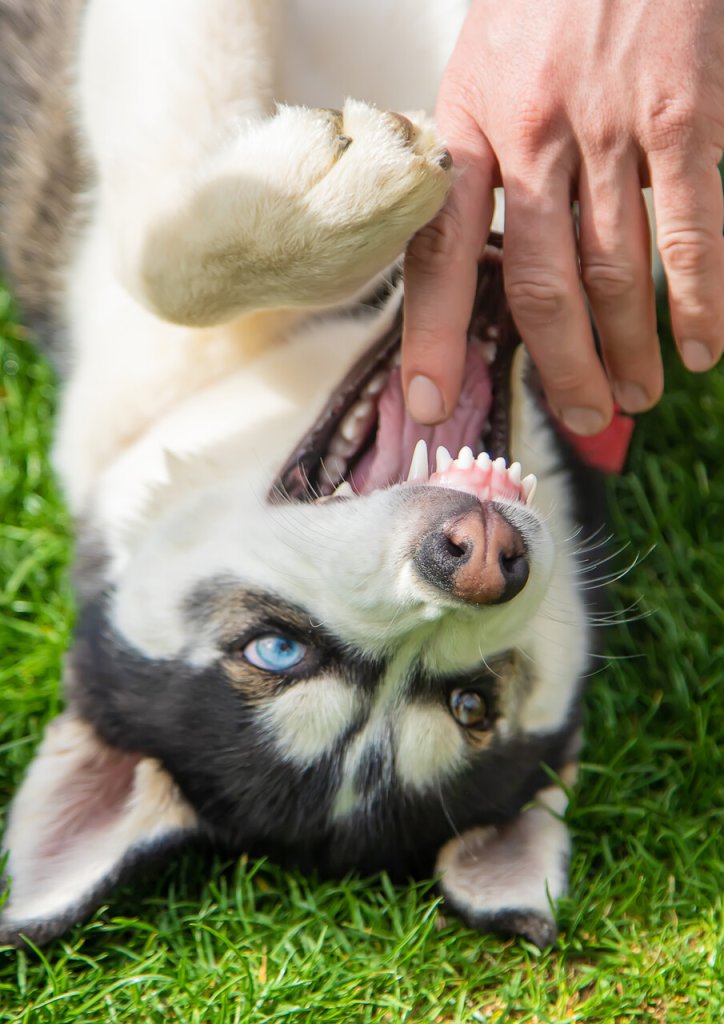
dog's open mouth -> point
(365, 440)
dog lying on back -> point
(306, 625)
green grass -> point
(643, 929)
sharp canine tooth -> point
(465, 457)
(443, 459)
(419, 463)
(528, 483)
(344, 491)
(514, 472)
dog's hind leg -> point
(217, 205)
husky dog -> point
(306, 625)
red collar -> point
(608, 449)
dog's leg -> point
(215, 204)
(507, 878)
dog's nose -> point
(477, 556)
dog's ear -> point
(85, 814)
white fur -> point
(429, 745)
(306, 720)
(219, 226)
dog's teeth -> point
(376, 384)
(334, 467)
(514, 472)
(489, 350)
(344, 490)
(443, 459)
(499, 464)
(339, 447)
(492, 331)
(465, 457)
(397, 358)
(350, 425)
(419, 464)
(483, 461)
(528, 483)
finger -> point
(689, 218)
(615, 257)
(544, 292)
(440, 281)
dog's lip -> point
(490, 322)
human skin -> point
(586, 100)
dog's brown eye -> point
(470, 709)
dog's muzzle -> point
(476, 555)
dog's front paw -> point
(390, 175)
(300, 209)
(506, 879)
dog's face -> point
(324, 666)
(348, 674)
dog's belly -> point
(392, 54)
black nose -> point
(478, 556)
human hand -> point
(586, 99)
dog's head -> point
(307, 655)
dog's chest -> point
(391, 53)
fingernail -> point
(696, 356)
(630, 396)
(424, 400)
(583, 421)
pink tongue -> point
(388, 461)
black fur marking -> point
(540, 929)
(249, 798)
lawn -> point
(642, 934)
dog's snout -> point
(477, 556)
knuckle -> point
(602, 139)
(685, 251)
(538, 124)
(669, 124)
(421, 348)
(536, 299)
(435, 244)
(607, 282)
(566, 385)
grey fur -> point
(41, 170)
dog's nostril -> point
(514, 569)
(455, 550)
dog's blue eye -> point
(274, 653)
